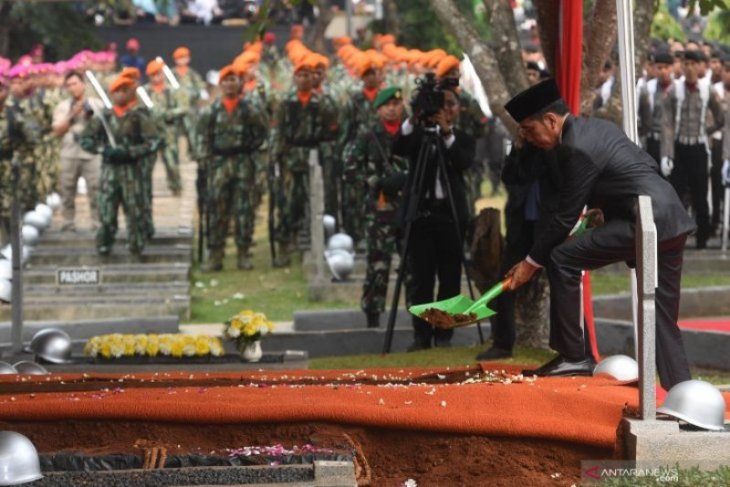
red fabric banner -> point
(569, 58)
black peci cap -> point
(533, 99)
(663, 57)
(692, 55)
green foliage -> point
(707, 6)
(57, 26)
(665, 27)
(421, 28)
(718, 26)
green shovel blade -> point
(462, 305)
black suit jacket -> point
(602, 168)
(457, 158)
(523, 167)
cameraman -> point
(436, 240)
(69, 120)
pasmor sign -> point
(78, 276)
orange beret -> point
(304, 63)
(131, 72)
(387, 39)
(153, 67)
(181, 52)
(446, 64)
(318, 60)
(226, 71)
(120, 82)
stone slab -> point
(118, 273)
(695, 303)
(83, 329)
(61, 256)
(69, 308)
(704, 348)
(659, 443)
(343, 319)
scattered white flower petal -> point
(443, 404)
(238, 296)
(199, 284)
(381, 402)
(410, 483)
(214, 282)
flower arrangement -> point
(117, 345)
(246, 328)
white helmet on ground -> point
(696, 402)
(52, 345)
(620, 367)
(19, 462)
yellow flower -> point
(176, 349)
(152, 348)
(202, 347)
(106, 350)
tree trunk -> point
(315, 38)
(532, 313)
(507, 44)
(643, 14)
(481, 56)
(597, 49)
(392, 18)
(548, 27)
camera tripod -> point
(430, 146)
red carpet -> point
(576, 410)
(721, 325)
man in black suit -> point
(436, 240)
(603, 169)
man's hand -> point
(521, 274)
(595, 217)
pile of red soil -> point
(442, 319)
(392, 456)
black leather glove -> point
(116, 155)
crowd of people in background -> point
(251, 125)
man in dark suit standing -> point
(603, 169)
(436, 240)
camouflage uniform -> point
(28, 156)
(167, 111)
(359, 115)
(227, 145)
(121, 180)
(298, 128)
(369, 162)
(191, 84)
(16, 139)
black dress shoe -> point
(494, 353)
(418, 345)
(563, 367)
(538, 370)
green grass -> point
(604, 283)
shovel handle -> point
(493, 292)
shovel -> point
(462, 305)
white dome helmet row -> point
(339, 254)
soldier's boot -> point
(282, 256)
(215, 261)
(244, 261)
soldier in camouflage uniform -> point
(303, 121)
(147, 162)
(472, 121)
(360, 114)
(167, 111)
(27, 153)
(229, 133)
(370, 162)
(121, 183)
(191, 85)
(16, 139)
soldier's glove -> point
(116, 155)
(666, 166)
(726, 172)
(392, 184)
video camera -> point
(429, 99)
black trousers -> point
(653, 147)
(718, 191)
(615, 242)
(503, 323)
(435, 250)
(690, 173)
